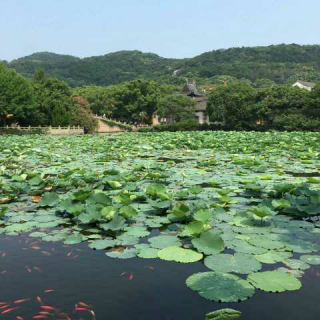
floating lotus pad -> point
(209, 242)
(238, 263)
(179, 255)
(220, 287)
(224, 314)
(163, 241)
(314, 260)
(274, 281)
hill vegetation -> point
(256, 65)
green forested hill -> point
(279, 63)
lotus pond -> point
(160, 226)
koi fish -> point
(29, 270)
(81, 309)
(21, 301)
(130, 277)
(35, 248)
(9, 310)
(19, 318)
(4, 254)
(4, 271)
(44, 313)
(37, 269)
(151, 268)
(122, 274)
(48, 291)
(69, 254)
(47, 308)
(5, 306)
(46, 253)
(39, 317)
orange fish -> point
(21, 301)
(48, 291)
(81, 309)
(44, 313)
(9, 310)
(69, 254)
(130, 277)
(39, 317)
(46, 253)
(37, 269)
(19, 318)
(35, 248)
(151, 268)
(5, 306)
(3, 303)
(47, 308)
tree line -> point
(241, 107)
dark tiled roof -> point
(192, 90)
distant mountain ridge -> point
(280, 63)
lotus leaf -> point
(209, 242)
(274, 281)
(179, 255)
(220, 287)
(224, 314)
(238, 263)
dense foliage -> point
(41, 101)
(241, 107)
(278, 63)
(245, 204)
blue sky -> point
(170, 28)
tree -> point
(234, 105)
(176, 108)
(52, 97)
(16, 98)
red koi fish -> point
(21, 301)
(9, 310)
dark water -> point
(156, 290)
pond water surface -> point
(135, 289)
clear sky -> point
(170, 28)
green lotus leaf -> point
(302, 246)
(272, 257)
(202, 216)
(37, 234)
(296, 264)
(101, 198)
(148, 253)
(274, 281)
(122, 254)
(125, 240)
(73, 239)
(224, 314)
(102, 244)
(115, 184)
(313, 260)
(128, 212)
(266, 243)
(139, 232)
(180, 210)
(179, 255)
(220, 287)
(238, 263)
(163, 241)
(116, 224)
(209, 242)
(295, 272)
(49, 199)
(108, 212)
(193, 228)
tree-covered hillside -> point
(279, 63)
